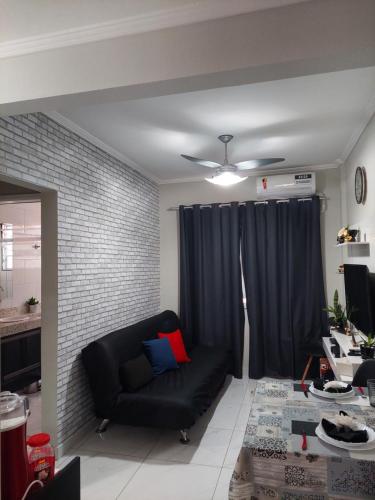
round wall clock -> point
(360, 185)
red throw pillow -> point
(177, 345)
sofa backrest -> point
(103, 357)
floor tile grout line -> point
(141, 460)
(170, 463)
(121, 455)
(230, 440)
(239, 411)
(226, 452)
(157, 441)
(115, 454)
(216, 485)
(179, 462)
(251, 405)
(98, 451)
(128, 481)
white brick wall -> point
(108, 243)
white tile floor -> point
(129, 463)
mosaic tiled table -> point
(272, 465)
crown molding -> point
(255, 173)
(193, 12)
(70, 125)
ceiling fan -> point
(227, 173)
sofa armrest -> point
(102, 371)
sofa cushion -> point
(177, 344)
(176, 398)
(170, 325)
(160, 355)
(135, 373)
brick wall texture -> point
(108, 244)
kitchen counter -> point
(24, 322)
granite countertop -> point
(24, 322)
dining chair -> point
(314, 350)
(365, 371)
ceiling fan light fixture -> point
(225, 179)
(226, 172)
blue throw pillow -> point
(160, 355)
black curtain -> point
(211, 307)
(282, 265)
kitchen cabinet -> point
(20, 360)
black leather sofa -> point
(174, 399)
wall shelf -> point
(352, 243)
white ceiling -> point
(311, 121)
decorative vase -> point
(33, 308)
(353, 233)
(367, 352)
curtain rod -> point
(208, 205)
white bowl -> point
(331, 395)
(319, 431)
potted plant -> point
(368, 347)
(32, 302)
(337, 318)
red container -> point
(41, 457)
(14, 467)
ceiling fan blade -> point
(205, 163)
(262, 162)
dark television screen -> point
(359, 296)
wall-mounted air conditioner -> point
(286, 186)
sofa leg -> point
(184, 439)
(102, 427)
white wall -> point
(328, 182)
(362, 155)
(26, 275)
